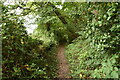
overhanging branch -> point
(58, 13)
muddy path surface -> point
(63, 71)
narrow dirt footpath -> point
(63, 65)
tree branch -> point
(58, 13)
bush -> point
(23, 56)
(95, 53)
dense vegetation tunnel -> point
(67, 40)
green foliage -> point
(23, 56)
(95, 53)
(91, 28)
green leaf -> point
(106, 70)
(114, 74)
